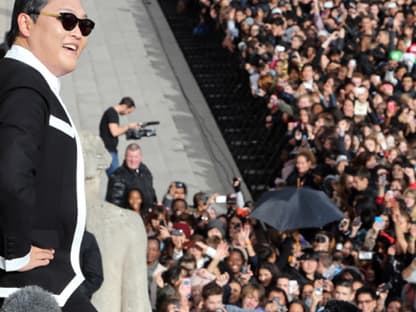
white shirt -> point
(25, 56)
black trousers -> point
(78, 302)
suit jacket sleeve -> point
(91, 265)
(23, 119)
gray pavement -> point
(133, 52)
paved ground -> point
(133, 52)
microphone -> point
(30, 299)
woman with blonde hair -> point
(409, 197)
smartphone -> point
(365, 255)
(244, 269)
(176, 233)
(328, 4)
(221, 199)
(292, 286)
(385, 287)
(205, 199)
(339, 246)
(359, 90)
(318, 291)
(293, 124)
(360, 109)
(276, 300)
(280, 48)
(389, 194)
(383, 179)
(356, 221)
(342, 224)
(162, 223)
(378, 219)
(186, 286)
(308, 85)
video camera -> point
(137, 134)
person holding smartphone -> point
(176, 190)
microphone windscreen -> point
(30, 299)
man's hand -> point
(38, 257)
(172, 189)
(133, 125)
(164, 232)
(223, 279)
(222, 251)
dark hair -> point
(363, 173)
(264, 251)
(179, 184)
(278, 290)
(30, 7)
(3, 49)
(186, 258)
(299, 302)
(344, 283)
(240, 252)
(407, 75)
(365, 290)
(340, 306)
(177, 200)
(211, 289)
(307, 65)
(271, 268)
(172, 274)
(127, 101)
(198, 197)
(154, 238)
(168, 301)
(130, 190)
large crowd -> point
(340, 76)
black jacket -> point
(38, 182)
(91, 265)
(125, 179)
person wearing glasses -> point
(366, 299)
(42, 197)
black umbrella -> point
(296, 208)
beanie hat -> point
(184, 227)
(216, 224)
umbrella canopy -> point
(296, 208)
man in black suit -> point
(42, 200)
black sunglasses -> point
(70, 21)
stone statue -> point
(121, 237)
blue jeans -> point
(114, 163)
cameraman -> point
(110, 128)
